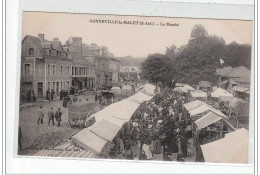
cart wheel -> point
(72, 122)
(233, 120)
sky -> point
(128, 39)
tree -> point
(171, 52)
(198, 31)
(157, 68)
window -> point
(49, 85)
(68, 84)
(27, 69)
(49, 70)
(53, 85)
(61, 67)
(53, 69)
(31, 51)
(72, 70)
(61, 85)
(68, 68)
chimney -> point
(55, 39)
(41, 36)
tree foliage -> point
(198, 31)
(157, 67)
(197, 60)
(200, 58)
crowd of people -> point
(28, 96)
(157, 127)
(51, 115)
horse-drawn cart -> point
(79, 111)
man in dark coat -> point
(51, 116)
(48, 94)
(52, 94)
(184, 145)
(58, 116)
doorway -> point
(40, 89)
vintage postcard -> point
(135, 88)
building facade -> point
(129, 73)
(114, 69)
(83, 73)
(44, 65)
(101, 69)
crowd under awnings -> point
(110, 120)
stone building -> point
(83, 73)
(129, 73)
(101, 68)
(114, 69)
(44, 65)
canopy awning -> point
(189, 88)
(226, 98)
(87, 139)
(205, 108)
(207, 120)
(233, 148)
(105, 130)
(194, 104)
(180, 89)
(199, 94)
(140, 97)
(220, 92)
(240, 89)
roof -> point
(233, 148)
(235, 72)
(207, 120)
(246, 79)
(239, 71)
(36, 41)
(204, 84)
(220, 92)
(224, 71)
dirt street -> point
(36, 137)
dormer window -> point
(31, 51)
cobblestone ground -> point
(35, 137)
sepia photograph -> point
(140, 88)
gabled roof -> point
(224, 71)
(35, 41)
(239, 71)
(47, 45)
(236, 72)
(246, 79)
(56, 44)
